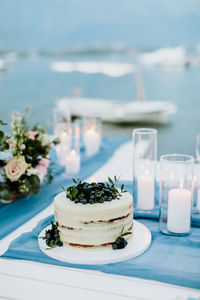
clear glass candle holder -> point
(176, 193)
(196, 183)
(66, 139)
(61, 114)
(72, 161)
(59, 129)
(92, 135)
(60, 118)
(144, 168)
(198, 146)
(76, 128)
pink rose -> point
(32, 134)
(42, 168)
(11, 143)
(12, 146)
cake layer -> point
(93, 212)
(105, 234)
(93, 224)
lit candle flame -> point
(73, 152)
(64, 134)
(91, 131)
(61, 132)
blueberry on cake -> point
(94, 215)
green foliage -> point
(31, 143)
(32, 183)
(112, 185)
(52, 236)
(5, 192)
(33, 151)
(3, 123)
(3, 140)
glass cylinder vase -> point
(72, 161)
(59, 121)
(65, 137)
(196, 182)
(198, 146)
(92, 134)
(144, 168)
(176, 193)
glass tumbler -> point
(92, 135)
(196, 181)
(176, 193)
(144, 168)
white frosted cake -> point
(93, 225)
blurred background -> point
(160, 38)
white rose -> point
(32, 171)
(22, 147)
(15, 168)
(41, 177)
(45, 139)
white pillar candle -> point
(179, 210)
(58, 150)
(92, 140)
(145, 192)
(198, 200)
(65, 145)
(59, 129)
(65, 139)
(77, 136)
(72, 162)
(63, 153)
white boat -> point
(173, 58)
(117, 112)
(109, 110)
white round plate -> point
(139, 243)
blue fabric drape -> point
(15, 214)
(170, 259)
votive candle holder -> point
(144, 168)
(92, 135)
(176, 193)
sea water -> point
(30, 81)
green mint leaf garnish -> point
(126, 233)
(120, 241)
(110, 180)
(63, 188)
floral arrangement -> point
(24, 161)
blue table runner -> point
(15, 214)
(170, 259)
